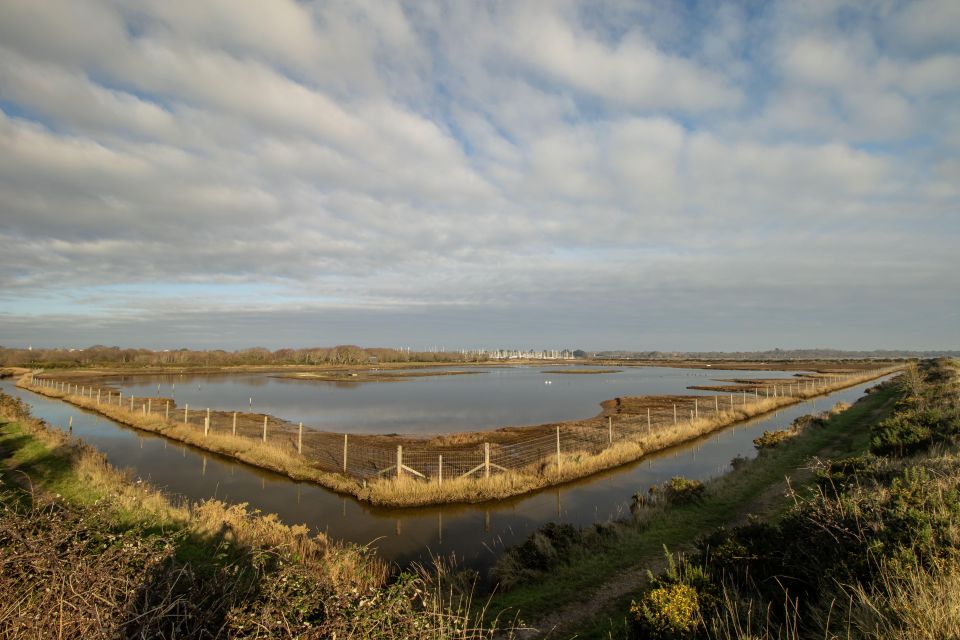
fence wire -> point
(370, 457)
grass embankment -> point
(86, 553)
(581, 579)
(634, 440)
(872, 553)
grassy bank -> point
(586, 447)
(583, 580)
(873, 552)
(86, 553)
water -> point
(493, 397)
(475, 534)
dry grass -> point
(109, 558)
(633, 439)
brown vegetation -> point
(104, 558)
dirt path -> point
(561, 622)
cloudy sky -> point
(599, 175)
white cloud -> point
(434, 156)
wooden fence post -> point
(186, 414)
(486, 460)
(206, 427)
(731, 402)
(439, 469)
(649, 424)
(300, 439)
(399, 461)
(696, 407)
(610, 429)
(120, 398)
(150, 406)
(716, 405)
(234, 423)
(131, 403)
(264, 429)
(344, 453)
(166, 410)
(558, 449)
(98, 396)
(674, 414)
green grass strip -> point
(727, 498)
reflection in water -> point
(474, 534)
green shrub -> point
(545, 549)
(905, 432)
(673, 605)
(670, 612)
(838, 475)
(679, 490)
(770, 439)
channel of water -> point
(474, 534)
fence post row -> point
(799, 388)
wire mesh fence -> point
(367, 457)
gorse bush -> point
(672, 607)
(679, 490)
(906, 433)
(670, 612)
(770, 439)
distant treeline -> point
(775, 354)
(116, 356)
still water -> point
(490, 398)
(474, 534)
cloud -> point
(172, 164)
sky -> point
(597, 175)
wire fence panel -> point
(370, 457)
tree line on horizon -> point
(61, 357)
(776, 354)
